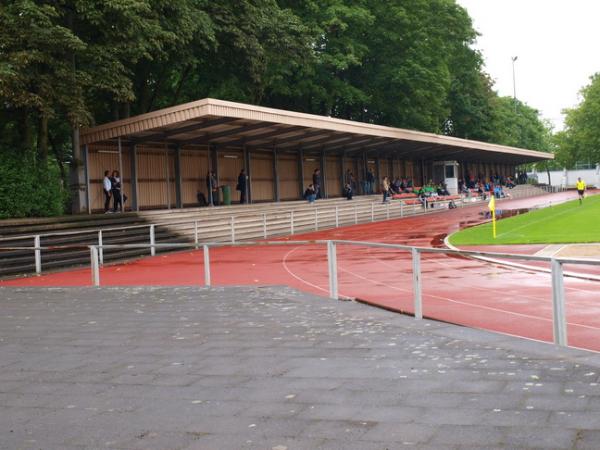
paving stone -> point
(264, 368)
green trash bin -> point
(226, 195)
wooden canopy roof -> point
(228, 124)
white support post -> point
(401, 208)
(206, 256)
(387, 210)
(416, 269)
(100, 248)
(337, 217)
(372, 212)
(559, 316)
(232, 230)
(196, 240)
(316, 219)
(38, 254)
(95, 266)
(265, 225)
(355, 215)
(332, 265)
(292, 223)
(152, 241)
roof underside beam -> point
(160, 136)
(210, 138)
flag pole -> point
(492, 208)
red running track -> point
(463, 291)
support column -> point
(423, 181)
(276, 194)
(343, 171)
(323, 167)
(77, 177)
(86, 160)
(120, 146)
(248, 175)
(134, 177)
(178, 180)
(301, 170)
(365, 170)
(379, 177)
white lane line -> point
(302, 280)
(489, 308)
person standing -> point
(385, 187)
(115, 180)
(370, 181)
(581, 189)
(241, 186)
(212, 188)
(107, 190)
(317, 183)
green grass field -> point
(560, 224)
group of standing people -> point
(111, 185)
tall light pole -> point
(514, 58)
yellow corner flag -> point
(492, 207)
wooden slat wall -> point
(106, 157)
(261, 171)
(152, 185)
(229, 169)
(287, 168)
(194, 167)
(333, 167)
(409, 170)
(310, 164)
(384, 164)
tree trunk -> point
(42, 143)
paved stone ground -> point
(272, 368)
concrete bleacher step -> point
(174, 226)
(211, 224)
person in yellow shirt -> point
(580, 189)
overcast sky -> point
(556, 42)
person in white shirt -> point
(107, 189)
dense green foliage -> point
(403, 63)
(580, 141)
(566, 223)
(28, 188)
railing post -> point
(232, 229)
(152, 241)
(372, 212)
(355, 215)
(559, 316)
(416, 269)
(206, 256)
(196, 233)
(95, 266)
(332, 266)
(316, 219)
(100, 248)
(337, 217)
(37, 254)
(291, 222)
(387, 211)
(401, 208)
(265, 225)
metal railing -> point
(254, 225)
(559, 321)
(246, 226)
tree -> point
(580, 140)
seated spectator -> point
(442, 189)
(348, 191)
(310, 194)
